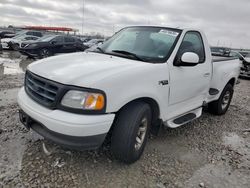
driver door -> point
(57, 44)
(189, 85)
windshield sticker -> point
(168, 32)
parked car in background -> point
(15, 42)
(220, 51)
(50, 45)
(24, 35)
(84, 40)
(244, 53)
(93, 42)
(139, 79)
(245, 59)
(238, 55)
(6, 34)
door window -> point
(29, 33)
(69, 39)
(38, 34)
(192, 42)
(58, 39)
(30, 38)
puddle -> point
(8, 96)
(12, 159)
(10, 66)
(217, 175)
(233, 141)
(231, 172)
(12, 63)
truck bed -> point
(224, 68)
(222, 58)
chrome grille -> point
(41, 90)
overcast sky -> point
(226, 21)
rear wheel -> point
(43, 53)
(221, 106)
(130, 132)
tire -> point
(43, 53)
(127, 142)
(15, 46)
(221, 106)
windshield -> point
(21, 32)
(151, 44)
(19, 36)
(46, 38)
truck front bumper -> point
(71, 130)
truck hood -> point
(84, 68)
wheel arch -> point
(232, 81)
(151, 102)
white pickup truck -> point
(139, 79)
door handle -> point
(207, 74)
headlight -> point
(83, 100)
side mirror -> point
(190, 58)
(53, 42)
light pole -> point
(82, 15)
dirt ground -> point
(213, 151)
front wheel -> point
(15, 46)
(221, 106)
(43, 53)
(130, 132)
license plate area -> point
(25, 119)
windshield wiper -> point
(128, 54)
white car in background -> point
(15, 42)
(93, 42)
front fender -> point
(135, 84)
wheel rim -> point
(141, 134)
(15, 46)
(45, 53)
(225, 100)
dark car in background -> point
(6, 34)
(220, 51)
(50, 45)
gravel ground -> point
(209, 152)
